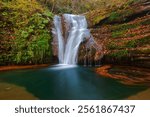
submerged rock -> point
(11, 91)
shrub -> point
(27, 38)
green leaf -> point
(48, 14)
(24, 34)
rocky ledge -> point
(123, 33)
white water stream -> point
(75, 32)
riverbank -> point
(14, 67)
(126, 74)
(10, 91)
(144, 95)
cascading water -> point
(58, 32)
(75, 32)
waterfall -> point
(58, 31)
(70, 30)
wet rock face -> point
(138, 61)
(89, 56)
(124, 42)
(55, 47)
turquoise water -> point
(68, 82)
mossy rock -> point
(94, 17)
(117, 15)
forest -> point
(121, 26)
